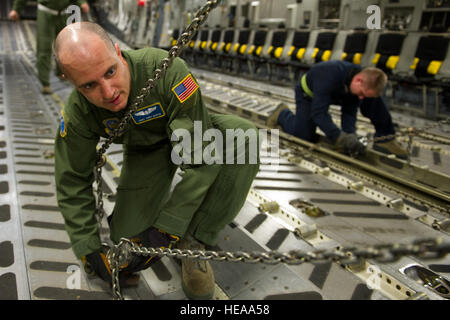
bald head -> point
(77, 41)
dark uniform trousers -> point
(302, 125)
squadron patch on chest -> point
(62, 126)
(185, 88)
(110, 125)
(148, 113)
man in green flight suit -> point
(51, 19)
(207, 198)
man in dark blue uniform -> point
(348, 85)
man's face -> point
(103, 77)
(358, 88)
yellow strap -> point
(376, 58)
(191, 44)
(252, 48)
(344, 55)
(278, 52)
(414, 65)
(227, 47)
(316, 50)
(357, 58)
(392, 61)
(222, 45)
(305, 86)
(270, 50)
(243, 49)
(214, 46)
(300, 53)
(236, 47)
(258, 50)
(291, 50)
(434, 67)
(203, 45)
(326, 55)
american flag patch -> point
(185, 88)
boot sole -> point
(192, 296)
(386, 151)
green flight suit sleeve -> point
(19, 5)
(197, 178)
(75, 156)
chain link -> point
(411, 131)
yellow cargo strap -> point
(376, 58)
(434, 67)
(243, 49)
(392, 61)
(291, 50)
(300, 53)
(414, 65)
(326, 55)
(305, 86)
(278, 52)
(357, 58)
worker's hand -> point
(151, 237)
(85, 8)
(96, 263)
(13, 15)
(348, 143)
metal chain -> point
(426, 249)
(411, 131)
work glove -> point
(96, 263)
(348, 143)
(153, 238)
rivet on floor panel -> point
(270, 207)
(324, 171)
(357, 185)
(397, 203)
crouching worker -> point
(106, 81)
(348, 85)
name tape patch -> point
(185, 88)
(148, 113)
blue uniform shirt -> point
(330, 81)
